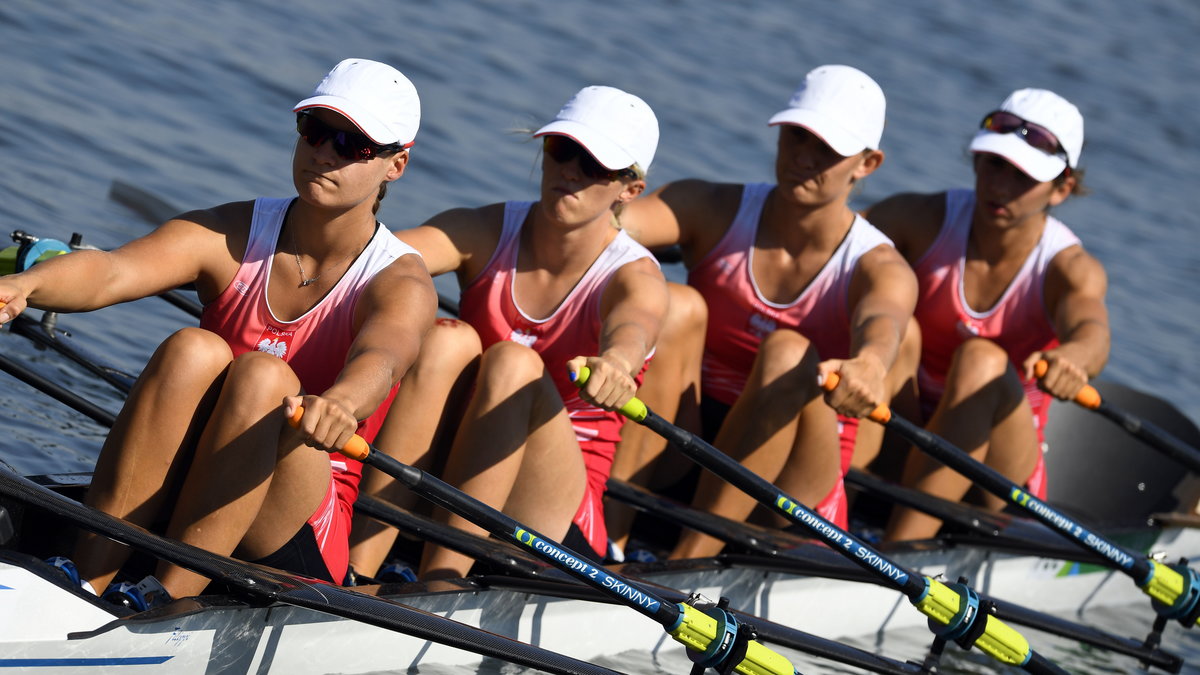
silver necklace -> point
(306, 280)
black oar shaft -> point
(996, 483)
(450, 498)
(69, 398)
(909, 583)
(265, 582)
(1153, 435)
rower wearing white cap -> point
(796, 285)
(551, 286)
(308, 301)
(1004, 284)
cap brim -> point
(826, 128)
(1033, 162)
(367, 123)
(609, 154)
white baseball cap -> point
(376, 97)
(843, 106)
(615, 127)
(1046, 109)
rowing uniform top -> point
(739, 317)
(315, 344)
(1019, 322)
(573, 329)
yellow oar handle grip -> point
(881, 414)
(1166, 586)
(634, 409)
(355, 448)
(1087, 397)
(697, 631)
(942, 604)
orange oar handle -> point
(1087, 397)
(356, 448)
(881, 414)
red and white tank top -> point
(315, 344)
(1019, 322)
(573, 329)
(739, 317)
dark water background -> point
(191, 101)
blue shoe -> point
(396, 572)
(146, 594)
(640, 555)
(71, 572)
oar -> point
(1154, 436)
(60, 394)
(525, 574)
(778, 551)
(1174, 589)
(277, 586)
(712, 635)
(954, 609)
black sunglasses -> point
(562, 150)
(348, 145)
(1003, 122)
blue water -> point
(191, 102)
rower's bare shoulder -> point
(1075, 268)
(911, 220)
(456, 237)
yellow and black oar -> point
(954, 610)
(1174, 589)
(1145, 430)
(712, 635)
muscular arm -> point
(193, 247)
(690, 213)
(395, 311)
(1076, 284)
(633, 307)
(457, 240)
(883, 294)
(910, 220)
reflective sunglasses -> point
(562, 150)
(348, 145)
(1036, 135)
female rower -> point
(1003, 284)
(308, 302)
(797, 285)
(552, 286)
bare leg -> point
(902, 399)
(983, 411)
(149, 447)
(779, 421)
(251, 484)
(417, 431)
(672, 389)
(515, 451)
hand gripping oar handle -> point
(1087, 397)
(1152, 434)
(954, 611)
(711, 635)
(1174, 589)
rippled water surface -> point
(191, 101)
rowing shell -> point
(62, 628)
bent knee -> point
(982, 356)
(263, 371)
(785, 349)
(687, 312)
(451, 343)
(512, 361)
(202, 350)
